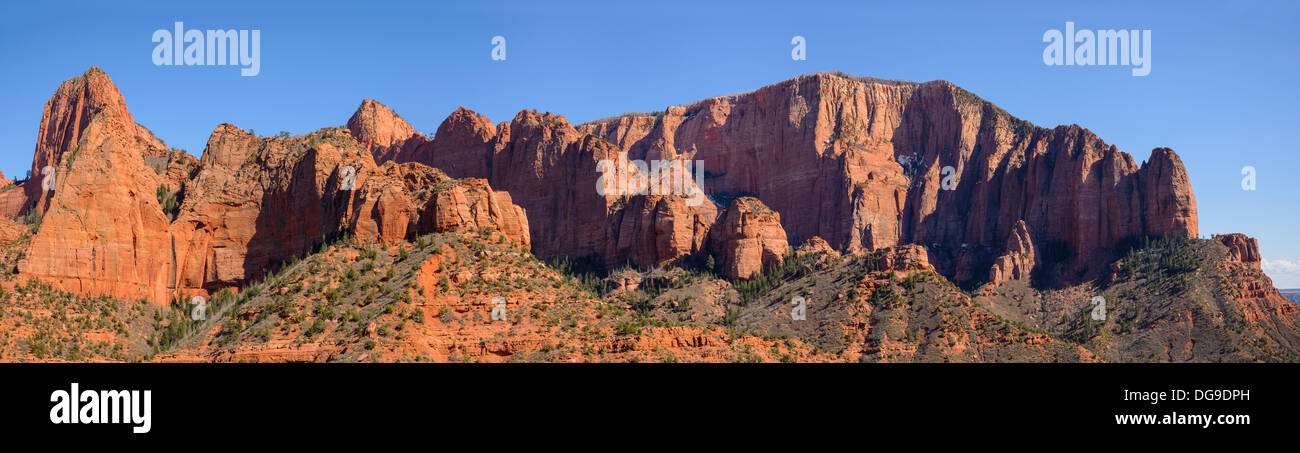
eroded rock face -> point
(399, 201)
(860, 163)
(655, 230)
(746, 237)
(103, 231)
(1253, 299)
(466, 145)
(857, 162)
(1241, 249)
(13, 200)
(10, 230)
(259, 201)
(472, 204)
(1019, 258)
(906, 258)
(387, 135)
(76, 103)
(817, 246)
(551, 170)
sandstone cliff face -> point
(470, 204)
(12, 200)
(248, 204)
(1018, 260)
(905, 258)
(857, 162)
(387, 135)
(10, 230)
(103, 231)
(75, 104)
(259, 201)
(466, 144)
(1241, 249)
(748, 236)
(551, 170)
(860, 163)
(1253, 297)
(655, 230)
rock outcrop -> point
(747, 237)
(552, 171)
(402, 200)
(465, 145)
(129, 217)
(1241, 249)
(866, 163)
(10, 230)
(1017, 262)
(12, 200)
(259, 201)
(906, 258)
(76, 103)
(103, 230)
(1254, 297)
(387, 135)
(863, 163)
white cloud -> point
(1285, 273)
(1281, 266)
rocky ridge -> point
(902, 186)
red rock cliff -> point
(103, 230)
(860, 163)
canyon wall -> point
(858, 162)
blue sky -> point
(1221, 92)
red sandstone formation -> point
(258, 201)
(1018, 260)
(78, 102)
(248, 204)
(1255, 299)
(385, 133)
(859, 162)
(908, 257)
(550, 169)
(10, 230)
(1241, 249)
(748, 236)
(103, 231)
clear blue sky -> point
(1222, 89)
